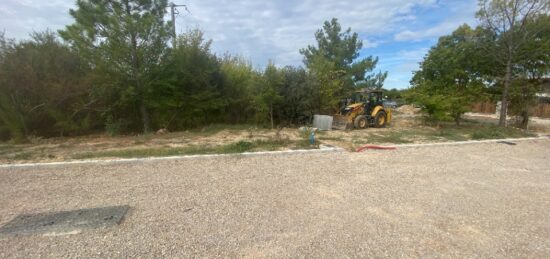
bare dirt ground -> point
(478, 200)
(62, 149)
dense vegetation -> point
(114, 69)
(507, 56)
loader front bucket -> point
(341, 122)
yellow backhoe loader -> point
(365, 108)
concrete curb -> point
(325, 149)
(455, 143)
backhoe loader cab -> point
(364, 108)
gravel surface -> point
(478, 200)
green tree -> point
(507, 20)
(44, 88)
(268, 94)
(449, 79)
(335, 62)
(374, 81)
(530, 72)
(188, 88)
(327, 84)
(124, 40)
(240, 80)
(296, 92)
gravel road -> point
(476, 200)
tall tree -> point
(338, 51)
(507, 19)
(268, 93)
(124, 39)
(532, 69)
(187, 88)
(296, 95)
(452, 75)
(239, 82)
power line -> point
(173, 12)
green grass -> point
(236, 147)
(19, 153)
(495, 132)
(473, 130)
(451, 134)
(5, 148)
(23, 156)
(10, 150)
(447, 132)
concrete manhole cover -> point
(64, 221)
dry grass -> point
(405, 128)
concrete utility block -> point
(322, 122)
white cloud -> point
(436, 31)
(19, 18)
(367, 44)
(461, 13)
(278, 29)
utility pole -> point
(173, 12)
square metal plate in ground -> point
(64, 221)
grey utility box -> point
(322, 122)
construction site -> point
(275, 129)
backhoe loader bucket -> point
(341, 122)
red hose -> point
(375, 147)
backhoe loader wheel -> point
(360, 122)
(380, 120)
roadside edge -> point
(322, 149)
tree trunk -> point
(271, 114)
(504, 101)
(525, 108)
(524, 119)
(136, 71)
(144, 117)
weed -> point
(23, 156)
(305, 135)
(452, 134)
(395, 137)
(494, 132)
(236, 147)
(8, 149)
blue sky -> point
(399, 32)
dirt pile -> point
(407, 109)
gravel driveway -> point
(477, 200)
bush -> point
(239, 147)
(4, 134)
